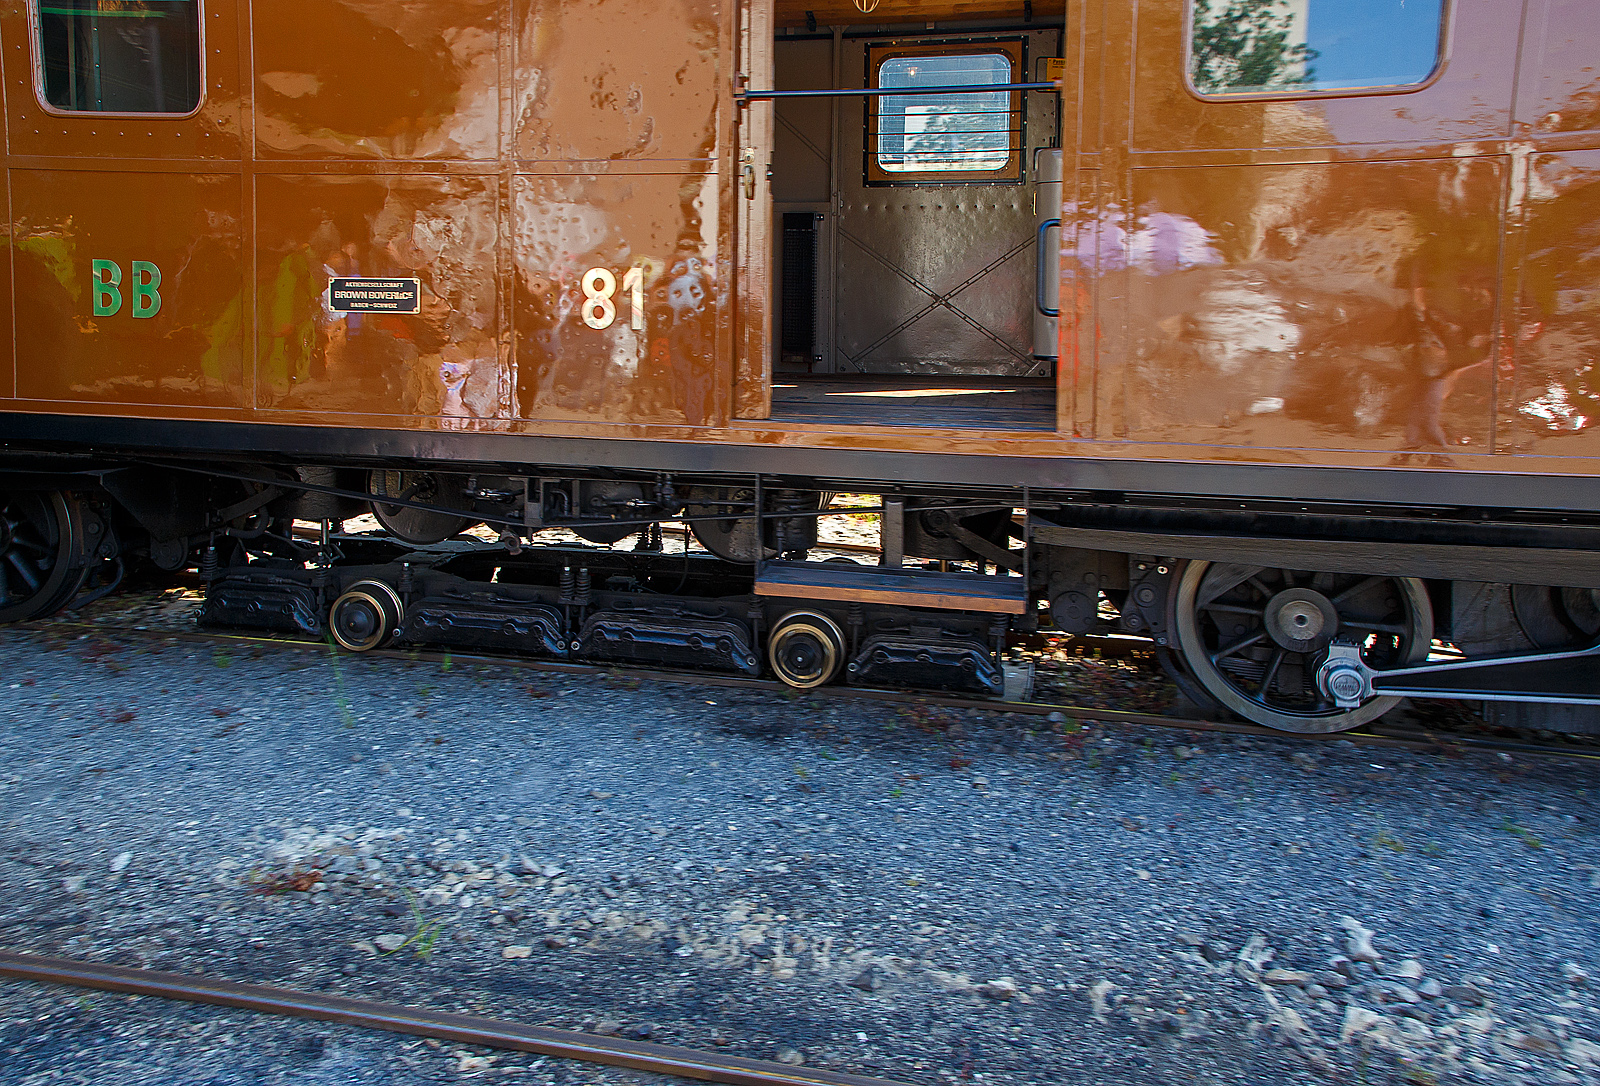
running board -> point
(1567, 677)
(897, 587)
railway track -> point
(439, 1025)
(443, 1025)
(1377, 735)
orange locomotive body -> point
(1275, 321)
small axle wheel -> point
(366, 616)
(806, 649)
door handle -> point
(1039, 264)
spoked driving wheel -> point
(42, 559)
(1253, 637)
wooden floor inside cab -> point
(962, 403)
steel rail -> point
(1419, 740)
(441, 1025)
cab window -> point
(954, 136)
(120, 56)
(1291, 47)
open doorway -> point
(908, 228)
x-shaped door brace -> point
(822, 156)
(938, 299)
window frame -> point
(1440, 62)
(36, 51)
(879, 53)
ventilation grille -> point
(798, 329)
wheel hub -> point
(803, 654)
(1343, 676)
(1301, 620)
(358, 620)
(806, 649)
(1273, 674)
(366, 616)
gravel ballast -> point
(901, 890)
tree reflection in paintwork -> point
(1248, 45)
(378, 78)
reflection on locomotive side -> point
(618, 297)
(188, 233)
(442, 362)
(1318, 304)
(597, 82)
(377, 79)
(1563, 94)
(1157, 243)
(1554, 393)
(1355, 301)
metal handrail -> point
(879, 92)
(1040, 281)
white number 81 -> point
(599, 311)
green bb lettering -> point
(107, 298)
(144, 279)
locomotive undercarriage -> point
(1292, 624)
(588, 605)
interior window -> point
(1308, 46)
(954, 136)
(120, 56)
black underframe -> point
(30, 439)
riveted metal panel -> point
(932, 278)
(212, 132)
